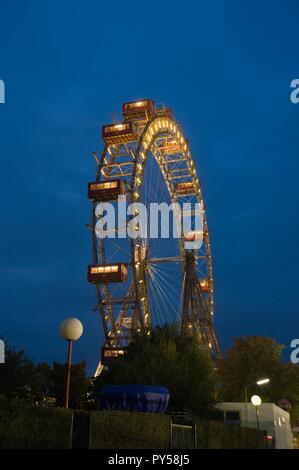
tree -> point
(55, 377)
(167, 358)
(16, 374)
(253, 358)
(20, 378)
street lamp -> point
(263, 381)
(256, 401)
(258, 382)
(70, 329)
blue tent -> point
(142, 398)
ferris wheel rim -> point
(155, 127)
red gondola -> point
(117, 272)
(185, 188)
(204, 285)
(108, 354)
(106, 190)
(138, 109)
(119, 133)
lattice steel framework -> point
(158, 153)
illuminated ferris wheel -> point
(142, 281)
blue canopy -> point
(142, 398)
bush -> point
(218, 435)
(33, 427)
(173, 360)
(127, 430)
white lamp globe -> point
(256, 400)
(71, 329)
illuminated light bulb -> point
(143, 299)
(256, 400)
(141, 281)
(263, 381)
(137, 264)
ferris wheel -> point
(143, 281)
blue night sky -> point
(225, 69)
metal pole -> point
(257, 418)
(68, 374)
(246, 406)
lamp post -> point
(70, 329)
(258, 382)
(256, 401)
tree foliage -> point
(170, 359)
(21, 379)
(253, 358)
(16, 373)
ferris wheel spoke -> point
(164, 279)
(166, 275)
(155, 301)
(165, 292)
(174, 259)
(126, 252)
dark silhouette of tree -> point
(167, 358)
(253, 358)
(79, 384)
(21, 379)
(16, 374)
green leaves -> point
(170, 359)
(253, 358)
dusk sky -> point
(225, 68)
